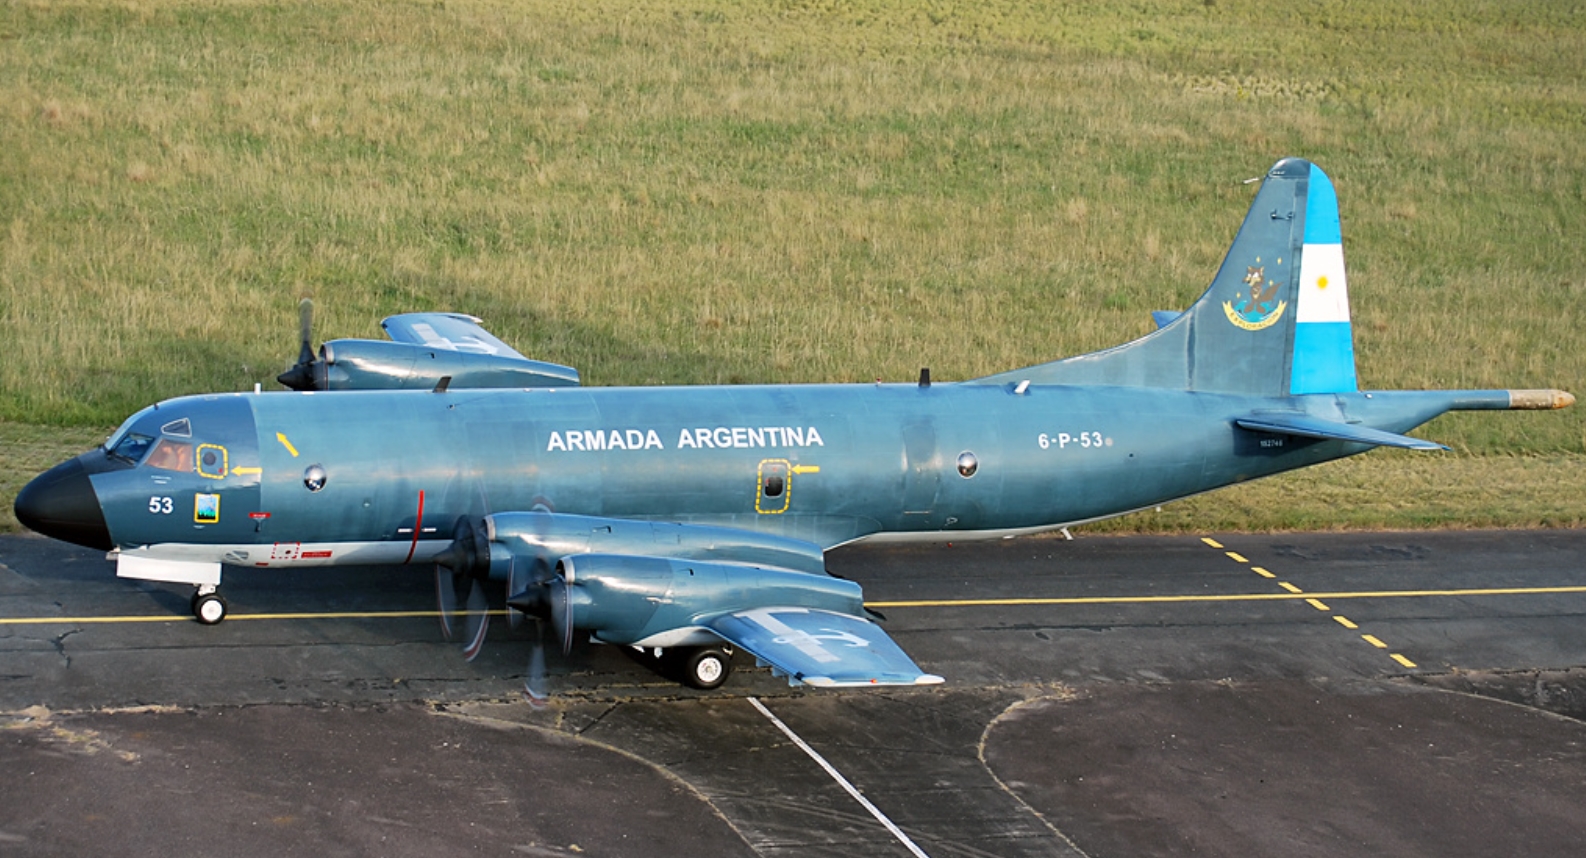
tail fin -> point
(1274, 322)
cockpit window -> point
(171, 455)
(131, 447)
(122, 430)
(179, 428)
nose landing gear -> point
(209, 607)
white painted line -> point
(841, 781)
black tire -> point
(705, 667)
(210, 608)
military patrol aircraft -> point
(689, 519)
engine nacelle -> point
(381, 365)
(624, 599)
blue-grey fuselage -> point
(303, 478)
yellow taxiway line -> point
(920, 603)
(178, 618)
(1227, 597)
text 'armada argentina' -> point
(716, 438)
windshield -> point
(121, 431)
(131, 447)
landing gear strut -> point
(209, 607)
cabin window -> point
(771, 496)
(213, 461)
(967, 464)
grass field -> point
(792, 191)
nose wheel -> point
(209, 607)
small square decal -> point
(206, 509)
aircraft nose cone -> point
(61, 503)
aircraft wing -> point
(449, 331)
(820, 648)
(1306, 426)
(426, 350)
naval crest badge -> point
(1260, 308)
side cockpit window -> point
(131, 447)
(171, 455)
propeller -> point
(306, 373)
(467, 559)
(545, 598)
(535, 589)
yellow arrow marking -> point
(806, 469)
(287, 444)
(247, 472)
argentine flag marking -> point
(1324, 347)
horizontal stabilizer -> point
(1306, 426)
(821, 648)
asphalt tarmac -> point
(1342, 694)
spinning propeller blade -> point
(561, 610)
(535, 687)
(517, 582)
(478, 620)
(301, 375)
(445, 599)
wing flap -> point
(820, 648)
(1306, 426)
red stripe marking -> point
(418, 527)
(313, 554)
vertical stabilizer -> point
(1274, 321)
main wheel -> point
(706, 667)
(209, 608)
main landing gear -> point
(702, 667)
(209, 607)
